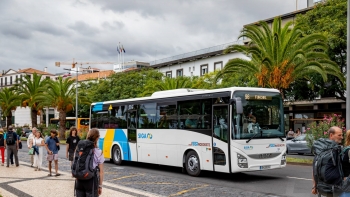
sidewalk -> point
(23, 181)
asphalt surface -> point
(294, 180)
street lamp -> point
(76, 95)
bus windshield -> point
(262, 116)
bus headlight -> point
(284, 159)
(242, 161)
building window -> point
(47, 77)
(204, 69)
(16, 78)
(193, 68)
(1, 82)
(168, 74)
(189, 68)
(179, 72)
(11, 80)
(5, 81)
(217, 65)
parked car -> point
(27, 132)
(298, 145)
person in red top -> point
(2, 147)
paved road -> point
(294, 180)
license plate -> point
(265, 167)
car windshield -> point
(262, 114)
(300, 138)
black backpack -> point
(10, 138)
(82, 167)
(2, 140)
(327, 167)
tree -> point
(61, 95)
(9, 101)
(166, 84)
(29, 89)
(329, 18)
(280, 55)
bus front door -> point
(221, 138)
(131, 129)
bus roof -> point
(187, 92)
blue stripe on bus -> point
(100, 144)
(123, 141)
(98, 107)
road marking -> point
(188, 190)
(150, 183)
(291, 177)
(125, 177)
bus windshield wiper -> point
(252, 137)
(281, 138)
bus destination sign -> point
(257, 97)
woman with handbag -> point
(38, 145)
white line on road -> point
(291, 177)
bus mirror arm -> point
(239, 107)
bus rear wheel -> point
(192, 164)
(117, 155)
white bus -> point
(225, 130)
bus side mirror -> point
(239, 106)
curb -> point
(299, 163)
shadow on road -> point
(234, 177)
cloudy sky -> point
(38, 33)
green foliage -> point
(83, 133)
(121, 85)
(61, 95)
(280, 55)
(166, 83)
(319, 130)
(9, 100)
(29, 88)
(67, 134)
(329, 18)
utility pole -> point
(347, 122)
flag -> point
(123, 48)
(118, 49)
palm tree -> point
(61, 95)
(166, 84)
(281, 55)
(9, 101)
(29, 89)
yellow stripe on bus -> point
(107, 143)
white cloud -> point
(39, 33)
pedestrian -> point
(52, 151)
(326, 156)
(72, 142)
(11, 143)
(30, 141)
(2, 146)
(38, 143)
(290, 134)
(87, 187)
(297, 133)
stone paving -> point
(120, 179)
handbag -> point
(31, 151)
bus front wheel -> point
(193, 164)
(117, 155)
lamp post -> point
(76, 95)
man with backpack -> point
(327, 168)
(11, 142)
